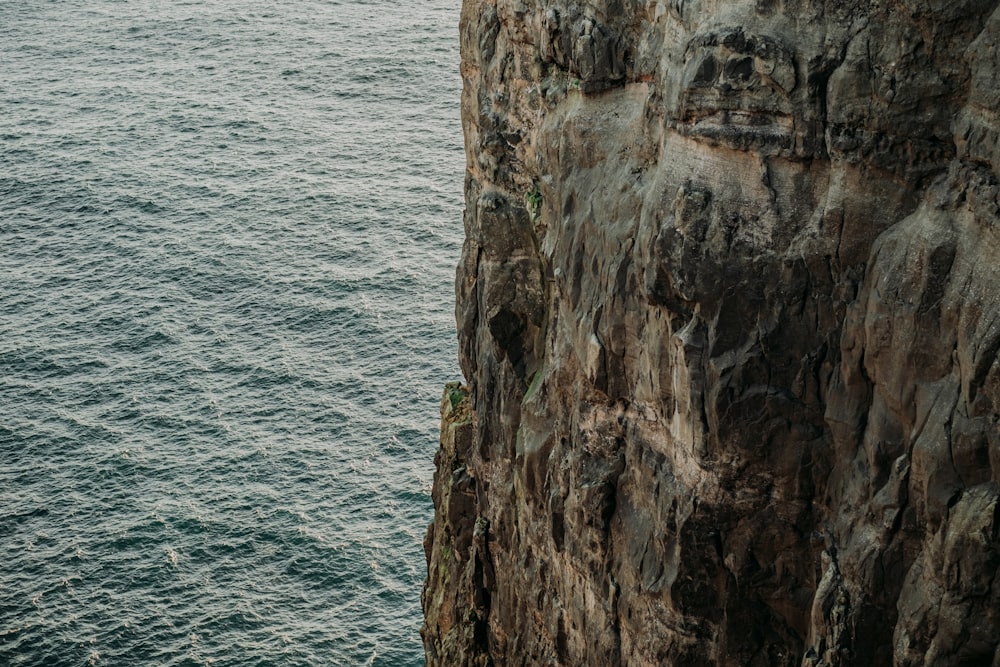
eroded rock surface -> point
(729, 312)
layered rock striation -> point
(729, 313)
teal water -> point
(227, 239)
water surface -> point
(227, 239)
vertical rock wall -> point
(729, 310)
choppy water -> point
(227, 237)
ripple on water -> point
(228, 242)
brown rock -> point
(729, 314)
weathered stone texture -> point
(729, 311)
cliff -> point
(729, 314)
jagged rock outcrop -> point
(729, 314)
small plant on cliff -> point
(533, 202)
(456, 392)
(458, 403)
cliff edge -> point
(729, 311)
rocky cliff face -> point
(730, 316)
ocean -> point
(228, 233)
